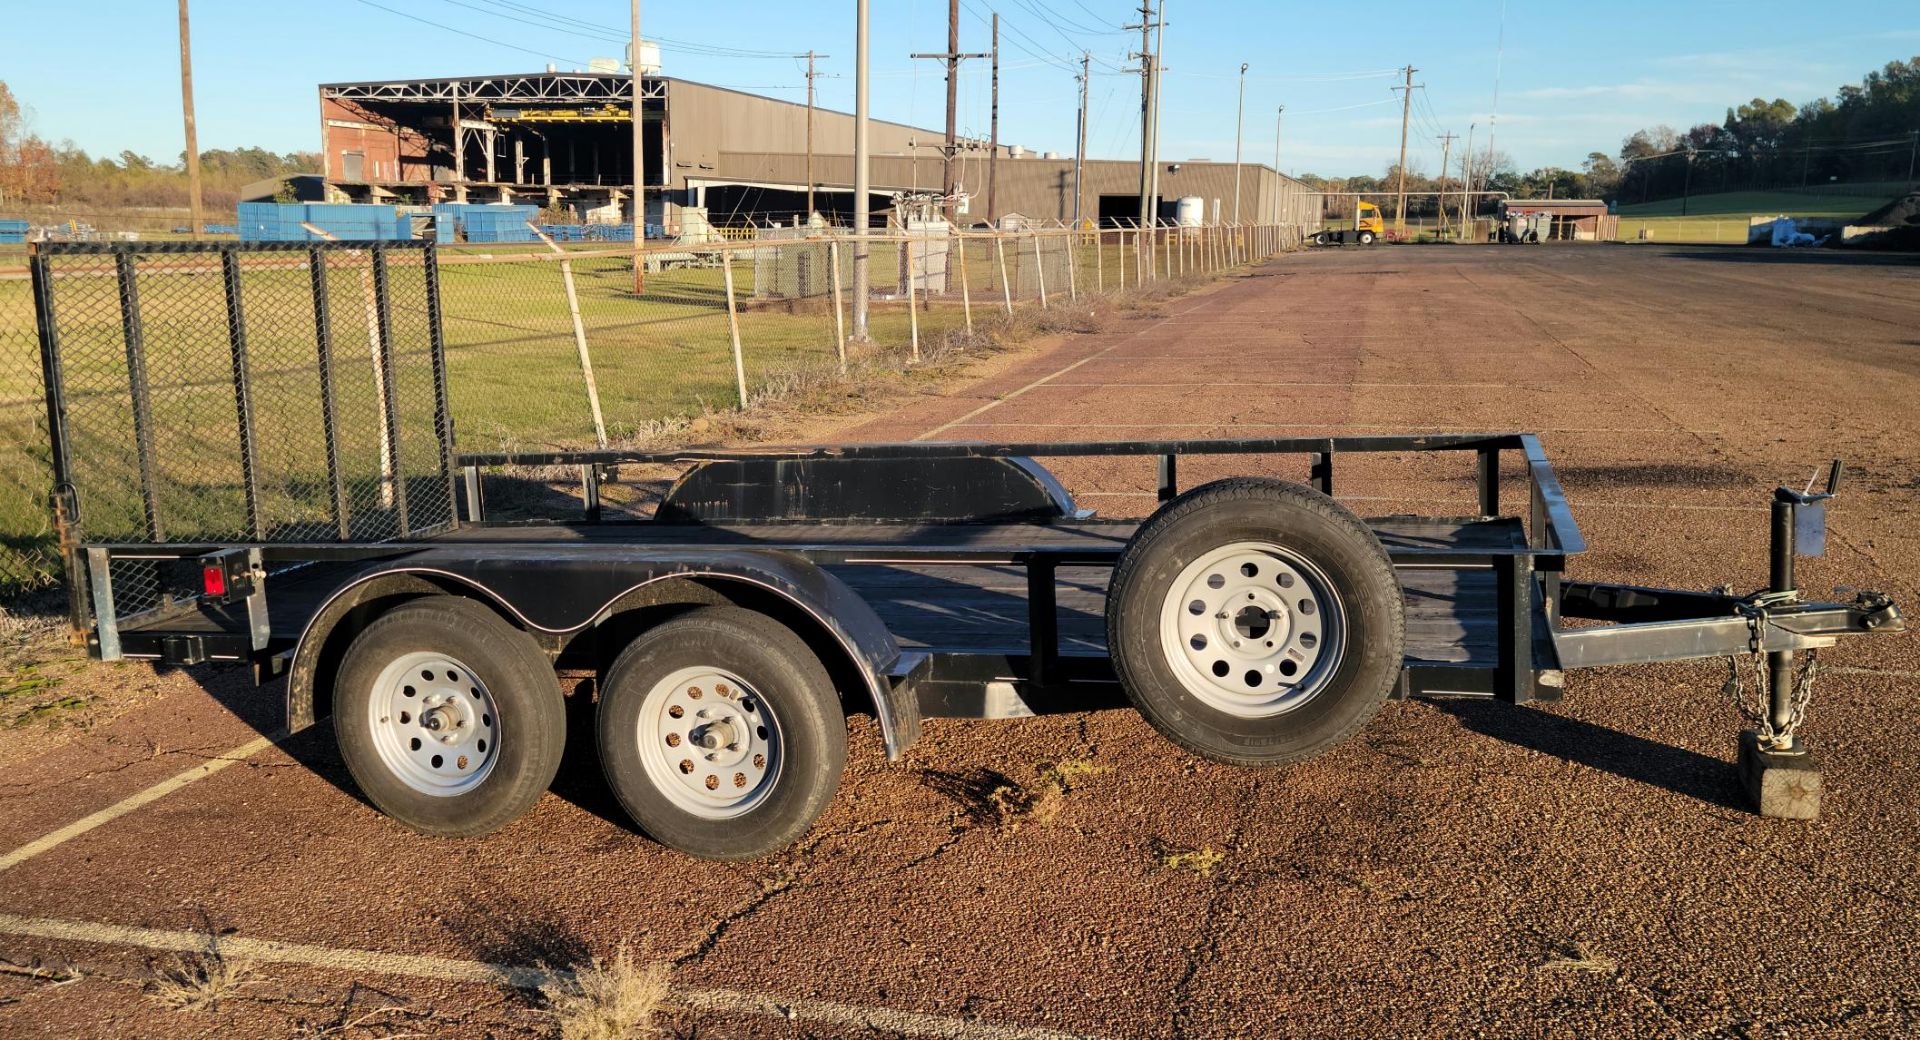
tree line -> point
(1868, 131)
(39, 173)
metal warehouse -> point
(564, 140)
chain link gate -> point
(241, 393)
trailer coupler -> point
(1767, 628)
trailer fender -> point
(560, 592)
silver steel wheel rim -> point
(1253, 630)
(434, 724)
(709, 743)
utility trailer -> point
(726, 634)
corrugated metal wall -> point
(1042, 189)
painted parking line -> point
(1051, 376)
(447, 969)
(152, 794)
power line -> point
(1345, 108)
(469, 35)
(578, 27)
(1050, 58)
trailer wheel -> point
(1255, 622)
(1366, 238)
(449, 718)
(721, 734)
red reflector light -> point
(213, 580)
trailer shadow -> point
(263, 708)
(1625, 755)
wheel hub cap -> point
(709, 743)
(1252, 629)
(434, 724)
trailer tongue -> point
(1251, 619)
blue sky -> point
(1571, 79)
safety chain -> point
(1757, 609)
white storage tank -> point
(649, 64)
(1190, 211)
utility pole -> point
(993, 152)
(1466, 182)
(1406, 110)
(860, 178)
(196, 211)
(1159, 69)
(951, 150)
(1239, 128)
(1446, 150)
(810, 75)
(639, 154)
(1080, 146)
(1149, 77)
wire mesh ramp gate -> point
(315, 412)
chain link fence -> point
(544, 347)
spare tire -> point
(1255, 621)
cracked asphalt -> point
(1460, 868)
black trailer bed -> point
(976, 608)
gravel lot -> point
(1461, 868)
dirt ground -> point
(1461, 868)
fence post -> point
(1000, 254)
(579, 335)
(913, 308)
(376, 343)
(1099, 261)
(1073, 273)
(839, 310)
(1039, 268)
(733, 326)
(966, 294)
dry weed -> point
(199, 981)
(611, 1000)
(1578, 956)
(1200, 861)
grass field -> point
(1856, 201)
(1724, 217)
(513, 366)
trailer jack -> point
(1779, 771)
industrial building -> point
(563, 141)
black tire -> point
(1308, 526)
(522, 694)
(1320, 239)
(783, 680)
(1366, 238)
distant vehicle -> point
(1367, 228)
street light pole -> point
(861, 184)
(1239, 126)
(1279, 115)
